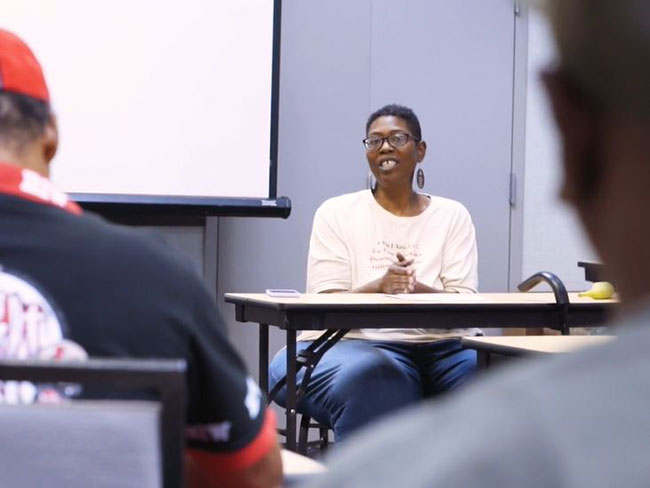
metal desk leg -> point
(291, 390)
(264, 359)
(308, 358)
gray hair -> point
(605, 46)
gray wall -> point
(552, 236)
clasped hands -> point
(399, 277)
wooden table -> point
(336, 313)
(517, 346)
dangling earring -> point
(419, 178)
(371, 183)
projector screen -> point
(159, 98)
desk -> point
(336, 313)
(518, 346)
(298, 470)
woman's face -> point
(393, 166)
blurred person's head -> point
(28, 133)
(600, 93)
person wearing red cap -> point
(116, 291)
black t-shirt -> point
(124, 293)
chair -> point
(309, 358)
(304, 446)
(96, 442)
(559, 292)
(593, 271)
(322, 443)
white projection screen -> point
(159, 100)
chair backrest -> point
(90, 424)
(81, 444)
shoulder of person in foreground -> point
(567, 421)
(231, 435)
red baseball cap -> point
(20, 72)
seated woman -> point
(388, 240)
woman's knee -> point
(374, 373)
(466, 368)
(458, 371)
(353, 372)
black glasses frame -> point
(409, 137)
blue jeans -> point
(358, 381)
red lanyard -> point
(28, 184)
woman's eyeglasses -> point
(398, 139)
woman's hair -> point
(400, 111)
(22, 119)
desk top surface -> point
(427, 300)
(550, 344)
(296, 464)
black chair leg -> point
(324, 438)
(303, 437)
